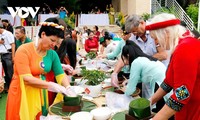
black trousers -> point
(7, 64)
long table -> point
(94, 19)
(56, 109)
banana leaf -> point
(56, 109)
(119, 116)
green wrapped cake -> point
(72, 101)
(72, 104)
(140, 108)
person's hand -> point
(67, 68)
(125, 83)
(13, 60)
(1, 85)
(78, 71)
(93, 50)
(54, 87)
(150, 99)
(70, 92)
(101, 56)
(114, 80)
(123, 88)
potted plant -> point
(93, 81)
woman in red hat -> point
(183, 74)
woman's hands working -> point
(114, 80)
(68, 68)
(54, 87)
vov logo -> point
(19, 11)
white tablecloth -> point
(94, 19)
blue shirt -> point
(112, 35)
(145, 71)
(62, 14)
(117, 52)
(148, 47)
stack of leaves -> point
(91, 55)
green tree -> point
(70, 20)
(71, 5)
(146, 16)
(183, 3)
(192, 11)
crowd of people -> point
(157, 56)
(63, 13)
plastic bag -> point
(118, 102)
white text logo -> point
(26, 10)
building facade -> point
(128, 7)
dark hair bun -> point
(107, 35)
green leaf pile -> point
(94, 77)
(91, 55)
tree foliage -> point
(192, 11)
(146, 16)
(71, 5)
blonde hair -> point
(172, 33)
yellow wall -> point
(123, 6)
(116, 5)
(128, 7)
